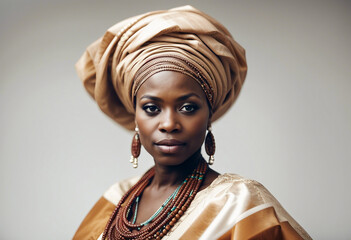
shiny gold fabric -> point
(231, 208)
(108, 66)
(94, 223)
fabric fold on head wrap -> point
(182, 39)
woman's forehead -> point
(169, 83)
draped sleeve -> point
(235, 208)
(95, 221)
(231, 208)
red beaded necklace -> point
(120, 227)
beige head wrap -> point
(181, 39)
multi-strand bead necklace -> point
(122, 222)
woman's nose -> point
(169, 122)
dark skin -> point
(172, 115)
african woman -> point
(168, 75)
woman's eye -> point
(189, 108)
(151, 109)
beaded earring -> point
(210, 145)
(136, 146)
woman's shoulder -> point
(230, 182)
(248, 190)
(115, 192)
(94, 222)
(240, 199)
(235, 178)
(235, 189)
(233, 205)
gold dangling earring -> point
(136, 146)
(210, 145)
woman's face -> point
(172, 115)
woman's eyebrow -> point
(181, 98)
(185, 97)
(152, 98)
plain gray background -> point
(290, 128)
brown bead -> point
(161, 235)
(180, 212)
(168, 227)
(158, 233)
(177, 216)
(164, 231)
(183, 208)
(172, 223)
(158, 238)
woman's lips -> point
(170, 146)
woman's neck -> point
(166, 176)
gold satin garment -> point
(231, 208)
